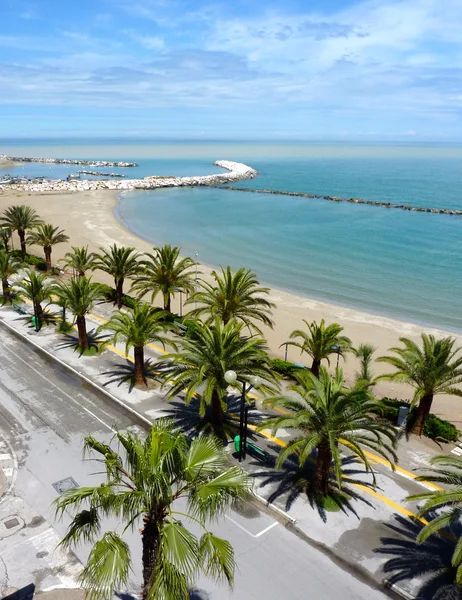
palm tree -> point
(36, 288)
(328, 416)
(120, 263)
(145, 480)
(320, 342)
(431, 370)
(20, 219)
(165, 273)
(9, 266)
(80, 260)
(448, 472)
(5, 237)
(143, 325)
(206, 356)
(234, 296)
(365, 353)
(80, 295)
(47, 236)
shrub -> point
(285, 368)
(435, 428)
(30, 259)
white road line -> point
(457, 450)
(5, 456)
(240, 526)
(267, 529)
(8, 472)
(62, 391)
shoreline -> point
(88, 218)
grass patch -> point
(334, 502)
(91, 351)
(64, 327)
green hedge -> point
(435, 427)
(285, 368)
(31, 260)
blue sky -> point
(285, 69)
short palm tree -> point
(144, 325)
(148, 482)
(5, 237)
(80, 295)
(365, 353)
(121, 263)
(20, 219)
(9, 266)
(164, 272)
(326, 416)
(47, 236)
(448, 472)
(432, 369)
(79, 260)
(233, 296)
(320, 342)
(36, 288)
(206, 356)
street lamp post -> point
(255, 381)
(195, 279)
(337, 349)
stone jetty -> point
(100, 174)
(236, 172)
(444, 211)
(64, 161)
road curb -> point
(276, 509)
(398, 590)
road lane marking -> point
(29, 366)
(239, 525)
(5, 456)
(266, 529)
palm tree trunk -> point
(47, 250)
(119, 291)
(321, 475)
(150, 538)
(82, 329)
(423, 410)
(315, 367)
(167, 303)
(22, 239)
(6, 291)
(217, 413)
(140, 378)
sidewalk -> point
(343, 534)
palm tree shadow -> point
(187, 418)
(124, 372)
(95, 342)
(293, 481)
(430, 560)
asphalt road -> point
(44, 413)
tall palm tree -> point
(80, 260)
(36, 288)
(165, 273)
(47, 236)
(80, 295)
(9, 266)
(365, 353)
(20, 219)
(320, 342)
(147, 482)
(206, 356)
(431, 369)
(5, 237)
(234, 296)
(327, 415)
(120, 262)
(448, 472)
(143, 325)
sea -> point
(400, 264)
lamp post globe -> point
(255, 381)
(231, 377)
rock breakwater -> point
(236, 172)
(444, 211)
(65, 161)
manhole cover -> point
(65, 484)
(11, 523)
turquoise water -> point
(395, 263)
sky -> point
(231, 69)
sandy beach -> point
(88, 219)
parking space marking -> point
(266, 529)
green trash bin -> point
(34, 321)
(237, 443)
